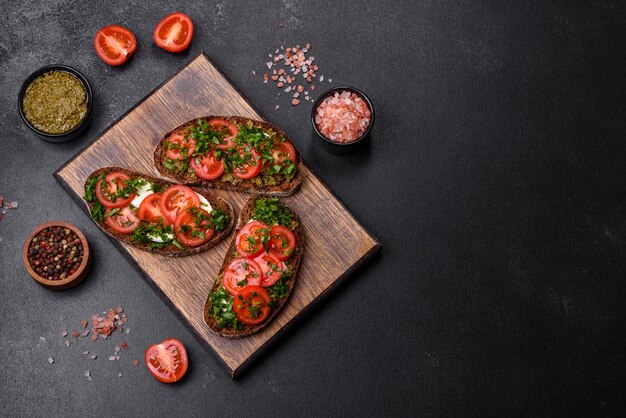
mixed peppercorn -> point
(55, 253)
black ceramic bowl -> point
(73, 133)
(342, 147)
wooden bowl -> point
(70, 281)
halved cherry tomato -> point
(167, 361)
(193, 227)
(282, 242)
(272, 268)
(125, 221)
(249, 240)
(209, 167)
(179, 146)
(230, 131)
(149, 209)
(176, 199)
(250, 305)
(107, 193)
(174, 32)
(252, 167)
(282, 151)
(241, 273)
(114, 44)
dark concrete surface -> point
(495, 180)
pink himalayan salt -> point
(343, 117)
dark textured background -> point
(495, 181)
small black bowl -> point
(76, 131)
(342, 147)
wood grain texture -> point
(336, 242)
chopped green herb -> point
(222, 309)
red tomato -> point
(167, 361)
(193, 227)
(209, 167)
(271, 267)
(176, 199)
(125, 221)
(282, 242)
(107, 193)
(181, 147)
(282, 151)
(249, 169)
(115, 44)
(230, 131)
(174, 32)
(249, 239)
(240, 273)
(149, 209)
(250, 305)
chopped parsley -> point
(222, 309)
(270, 211)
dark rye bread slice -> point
(247, 212)
(170, 250)
(284, 189)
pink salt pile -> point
(343, 117)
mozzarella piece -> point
(204, 204)
(169, 237)
(142, 192)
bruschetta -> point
(155, 215)
(230, 153)
(259, 271)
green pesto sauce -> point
(55, 102)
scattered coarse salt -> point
(93, 356)
(287, 65)
(50, 360)
(88, 375)
(85, 353)
(42, 339)
(67, 343)
(111, 358)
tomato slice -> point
(249, 240)
(174, 32)
(271, 267)
(250, 305)
(125, 221)
(282, 242)
(176, 199)
(107, 192)
(149, 209)
(179, 146)
(282, 151)
(251, 168)
(230, 131)
(167, 361)
(241, 273)
(115, 44)
(207, 167)
(193, 227)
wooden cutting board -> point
(335, 241)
